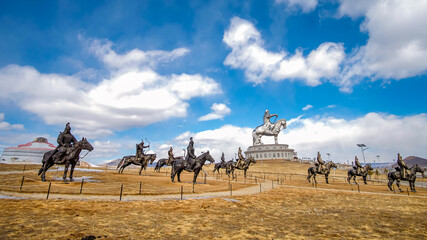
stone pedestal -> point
(270, 151)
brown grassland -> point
(285, 206)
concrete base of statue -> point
(271, 151)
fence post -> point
(407, 191)
(358, 188)
(181, 191)
(260, 187)
(81, 186)
(140, 186)
(121, 192)
(231, 190)
(272, 184)
(23, 170)
(22, 183)
(205, 179)
(48, 191)
(193, 187)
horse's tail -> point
(120, 163)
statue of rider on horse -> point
(268, 128)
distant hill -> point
(111, 163)
(86, 164)
(412, 160)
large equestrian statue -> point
(399, 175)
(231, 166)
(313, 171)
(66, 153)
(363, 172)
(268, 128)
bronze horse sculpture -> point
(231, 166)
(351, 173)
(164, 162)
(70, 158)
(411, 177)
(219, 166)
(131, 159)
(191, 165)
(312, 172)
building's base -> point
(271, 151)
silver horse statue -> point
(264, 130)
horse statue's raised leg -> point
(364, 179)
(140, 171)
(390, 184)
(326, 178)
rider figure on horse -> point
(320, 163)
(140, 149)
(402, 166)
(241, 160)
(171, 157)
(65, 141)
(190, 153)
(358, 165)
(267, 123)
(222, 159)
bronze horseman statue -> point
(320, 168)
(404, 173)
(191, 163)
(190, 153)
(241, 159)
(140, 149)
(65, 142)
(67, 152)
(402, 165)
(320, 163)
(358, 165)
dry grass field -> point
(288, 207)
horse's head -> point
(369, 167)
(251, 160)
(333, 165)
(208, 157)
(85, 144)
(417, 168)
(152, 158)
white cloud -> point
(7, 126)
(131, 97)
(385, 135)
(397, 45)
(219, 111)
(304, 5)
(225, 139)
(132, 59)
(249, 54)
(307, 107)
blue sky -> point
(341, 73)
